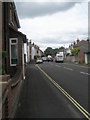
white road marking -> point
(84, 73)
(58, 66)
(68, 68)
(76, 65)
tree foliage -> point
(61, 48)
(55, 51)
(51, 51)
(75, 51)
(48, 51)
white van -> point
(59, 57)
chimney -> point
(30, 41)
(74, 43)
(77, 40)
(33, 43)
(88, 40)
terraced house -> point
(84, 53)
(12, 49)
(33, 52)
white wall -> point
(25, 50)
(69, 51)
(86, 60)
(32, 53)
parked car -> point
(49, 58)
(39, 60)
(44, 58)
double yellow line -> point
(76, 104)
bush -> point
(81, 62)
(88, 62)
(2, 66)
(75, 51)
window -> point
(13, 51)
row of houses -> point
(83, 56)
(33, 51)
(12, 59)
(84, 53)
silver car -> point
(39, 60)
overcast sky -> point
(53, 24)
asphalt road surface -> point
(54, 90)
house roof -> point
(35, 46)
(19, 33)
(84, 46)
(16, 15)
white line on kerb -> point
(84, 73)
(68, 68)
(3, 82)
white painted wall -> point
(32, 53)
(86, 60)
(68, 51)
(25, 50)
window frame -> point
(10, 41)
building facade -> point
(33, 52)
(14, 62)
(14, 40)
(84, 53)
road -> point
(54, 90)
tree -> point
(75, 51)
(61, 49)
(48, 51)
(55, 51)
(52, 52)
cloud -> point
(48, 1)
(36, 9)
(55, 30)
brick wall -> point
(11, 97)
(0, 26)
(11, 8)
(15, 34)
(0, 51)
(81, 57)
